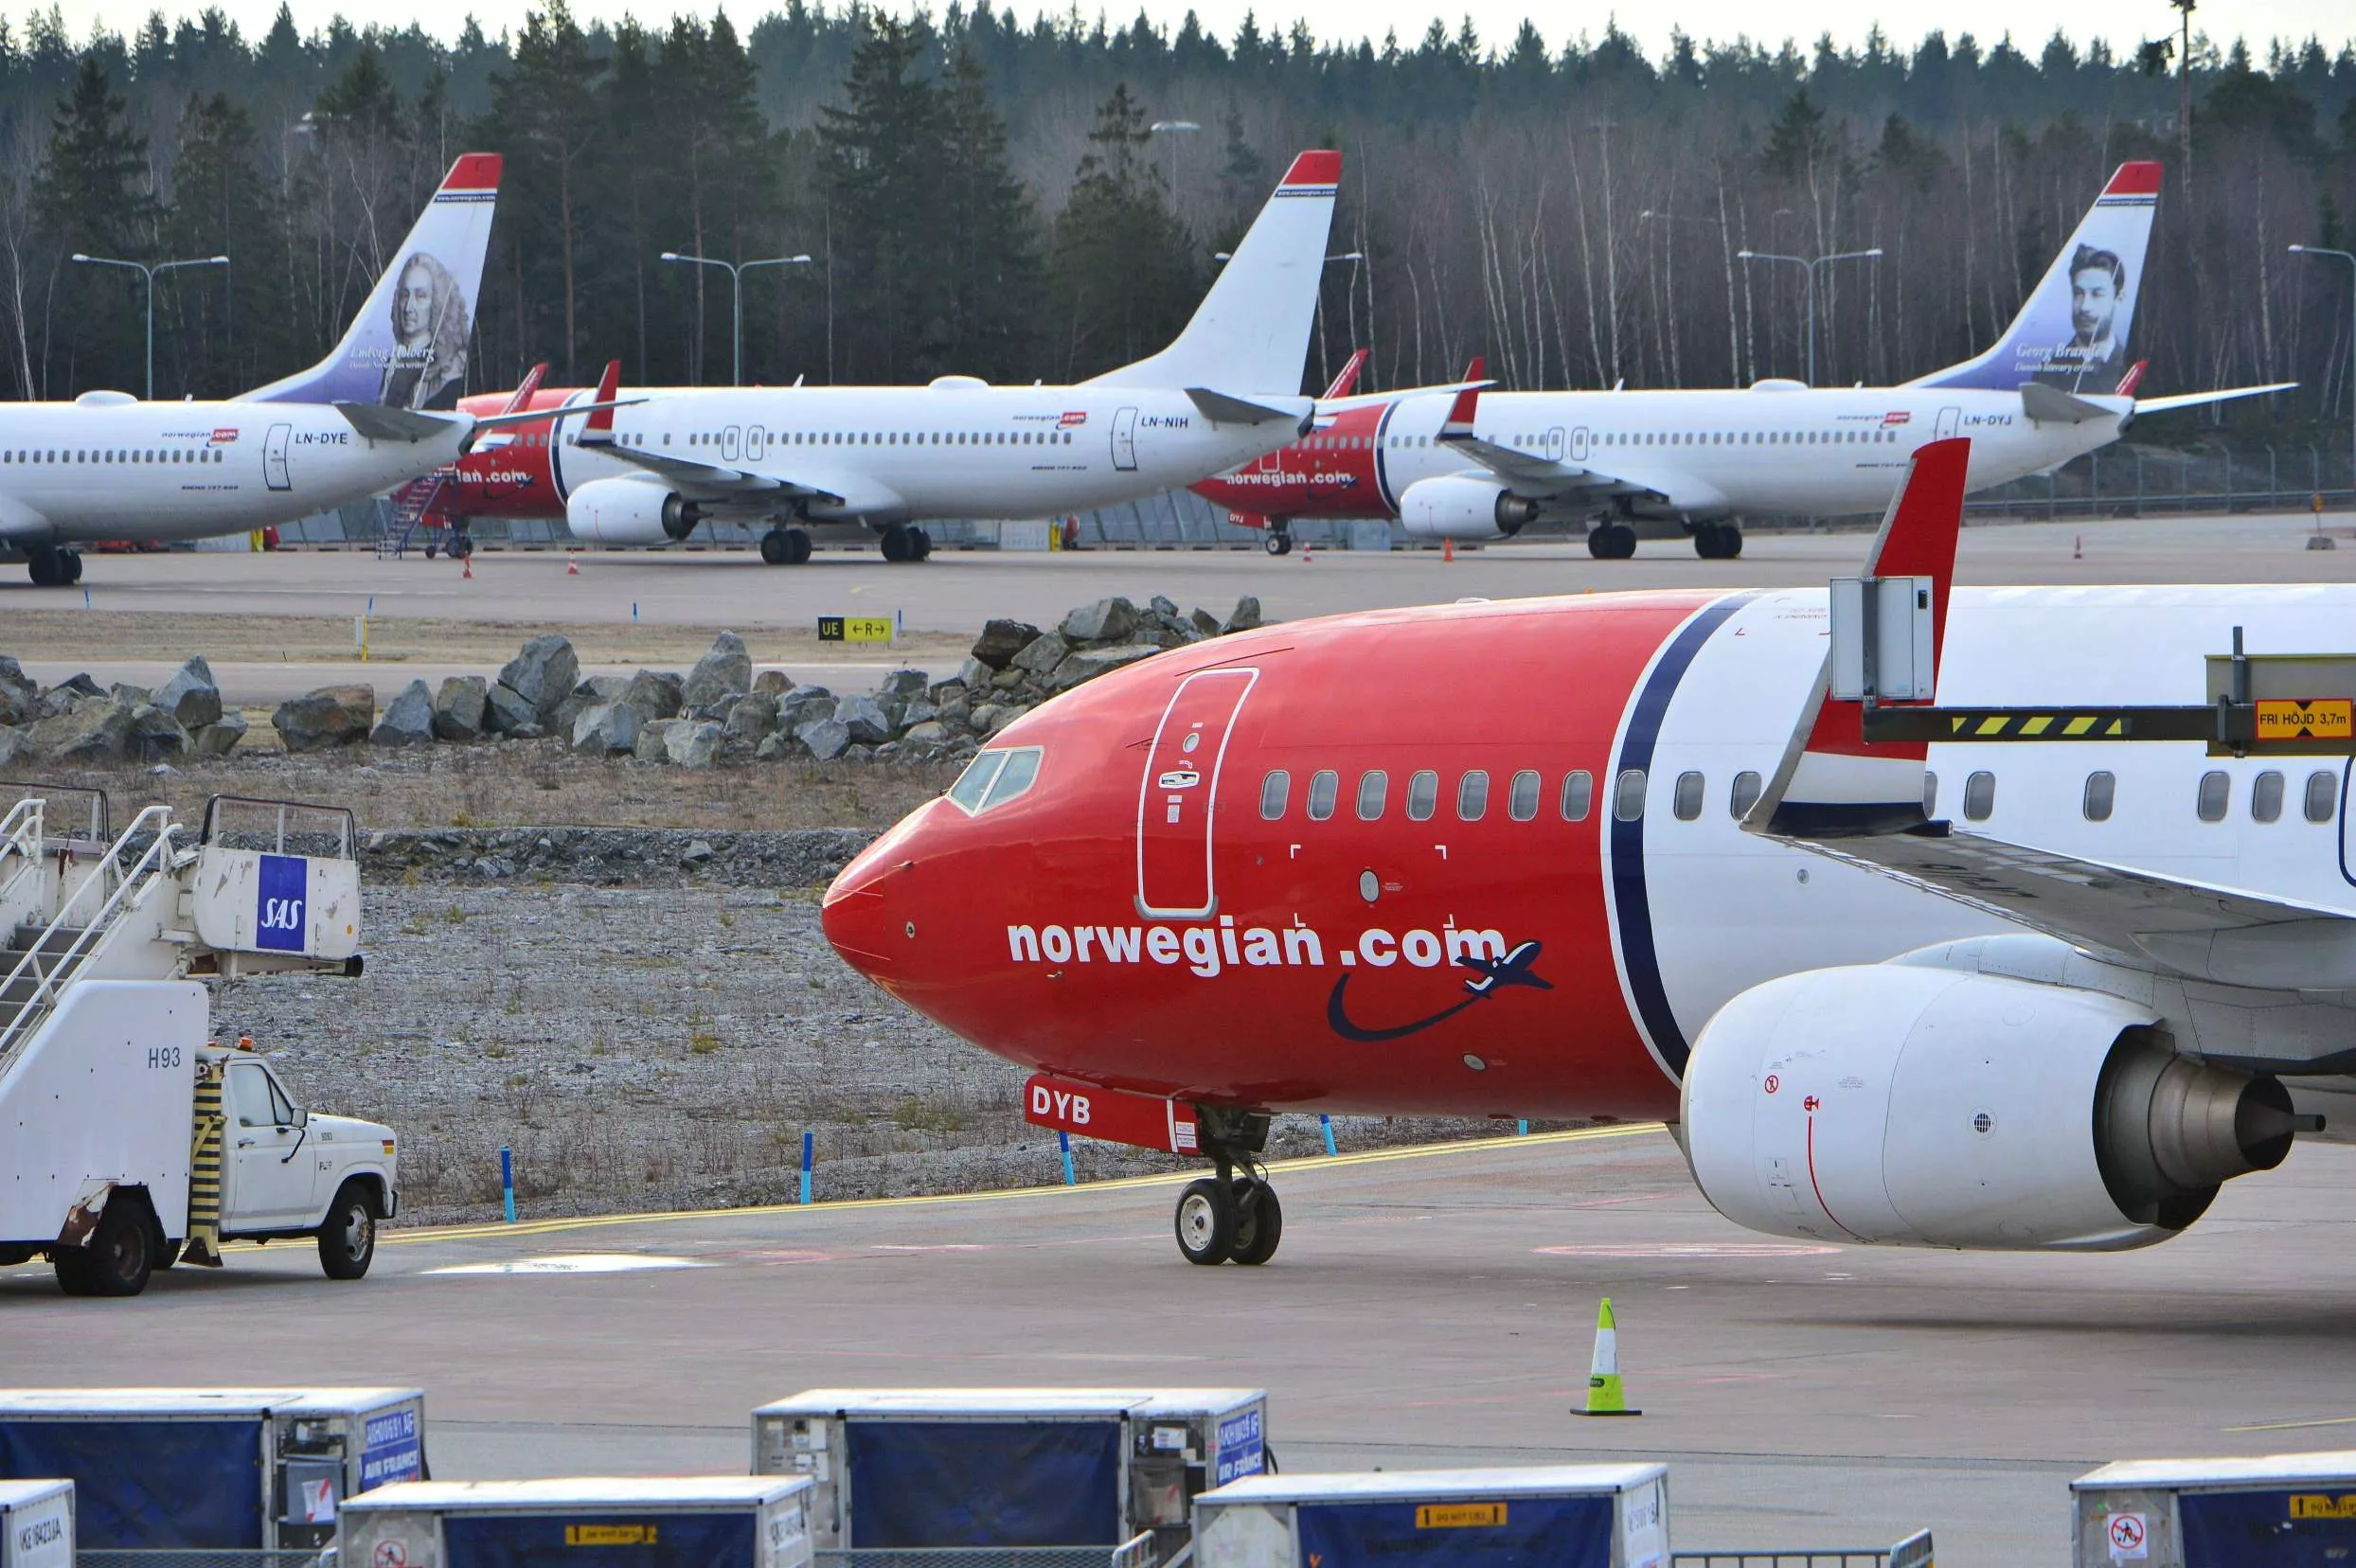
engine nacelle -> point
(1916, 1106)
(628, 511)
(1460, 506)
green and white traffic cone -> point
(1605, 1397)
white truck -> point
(129, 1139)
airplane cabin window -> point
(1423, 795)
(1374, 788)
(1323, 787)
(2215, 796)
(1273, 793)
(1015, 778)
(1979, 796)
(1472, 796)
(1744, 796)
(1687, 801)
(972, 786)
(1522, 795)
(1627, 796)
(2323, 790)
(1579, 795)
(2266, 797)
(2101, 794)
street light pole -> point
(1809, 266)
(1173, 129)
(148, 273)
(2349, 257)
(736, 271)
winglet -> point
(2128, 382)
(1464, 411)
(1348, 378)
(1831, 783)
(601, 422)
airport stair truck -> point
(210, 1477)
(1027, 1477)
(129, 1141)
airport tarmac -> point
(955, 591)
(1428, 1307)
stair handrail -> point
(21, 835)
(151, 859)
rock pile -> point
(719, 711)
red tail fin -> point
(522, 398)
(1348, 378)
(601, 422)
(2128, 382)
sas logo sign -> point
(282, 893)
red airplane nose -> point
(866, 911)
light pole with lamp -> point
(2349, 257)
(1810, 264)
(736, 271)
(148, 272)
(1173, 129)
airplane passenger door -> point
(1125, 441)
(274, 447)
(1578, 445)
(1178, 797)
(1950, 421)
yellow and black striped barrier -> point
(2283, 727)
(203, 1244)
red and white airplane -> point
(1976, 995)
(810, 460)
(2057, 385)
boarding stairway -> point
(412, 504)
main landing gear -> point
(902, 542)
(785, 546)
(1718, 541)
(50, 567)
(1279, 538)
(1611, 541)
(1230, 1218)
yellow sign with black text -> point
(857, 629)
(1459, 1516)
(2307, 719)
(611, 1535)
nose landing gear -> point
(1230, 1218)
(1279, 538)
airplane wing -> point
(1221, 408)
(2195, 399)
(708, 481)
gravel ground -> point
(650, 1048)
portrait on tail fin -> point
(426, 366)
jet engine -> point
(1915, 1105)
(628, 511)
(1460, 506)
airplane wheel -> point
(894, 545)
(1277, 543)
(47, 567)
(1611, 542)
(1205, 1223)
(433, 548)
(775, 549)
(73, 565)
(1730, 535)
(922, 543)
(1259, 1222)
(797, 546)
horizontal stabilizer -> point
(1222, 409)
(2051, 405)
(379, 422)
(2197, 400)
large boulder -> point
(1001, 640)
(607, 728)
(16, 746)
(1246, 617)
(772, 683)
(331, 716)
(190, 696)
(865, 719)
(509, 714)
(1107, 620)
(751, 720)
(96, 730)
(826, 738)
(931, 733)
(1204, 624)
(1089, 663)
(408, 718)
(721, 675)
(652, 734)
(221, 737)
(804, 706)
(66, 696)
(544, 675)
(655, 694)
(156, 736)
(1040, 655)
(692, 744)
(19, 693)
(904, 684)
(461, 708)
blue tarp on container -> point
(2268, 1529)
(147, 1484)
(984, 1482)
(1521, 1532)
(608, 1541)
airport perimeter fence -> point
(2122, 481)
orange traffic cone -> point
(572, 566)
(469, 573)
(1447, 550)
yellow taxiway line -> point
(1313, 1162)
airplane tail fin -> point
(1345, 382)
(2072, 333)
(1251, 333)
(408, 347)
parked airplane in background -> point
(884, 458)
(108, 466)
(2056, 386)
(1233, 880)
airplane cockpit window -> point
(994, 777)
(2323, 788)
(1323, 787)
(1423, 795)
(1274, 791)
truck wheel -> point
(118, 1258)
(347, 1240)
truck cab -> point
(287, 1171)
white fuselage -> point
(906, 454)
(76, 472)
(1768, 450)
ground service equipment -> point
(36, 1525)
(212, 1469)
(135, 1141)
(2286, 1510)
(1067, 1474)
(701, 1521)
(1562, 1516)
